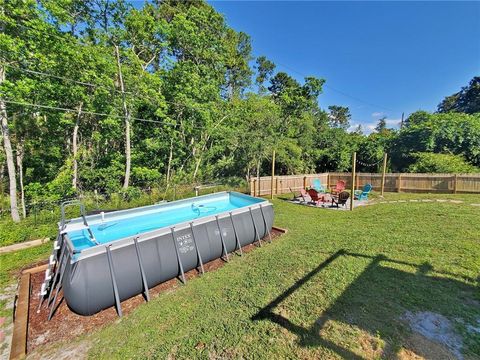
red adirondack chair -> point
(339, 187)
(316, 196)
(305, 196)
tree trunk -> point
(170, 156)
(75, 146)
(7, 145)
(126, 114)
(197, 166)
(20, 176)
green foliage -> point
(454, 133)
(441, 163)
(339, 116)
(466, 100)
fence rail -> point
(394, 182)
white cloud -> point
(393, 122)
(369, 127)
(377, 114)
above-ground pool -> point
(104, 259)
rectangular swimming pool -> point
(104, 259)
(121, 224)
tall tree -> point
(339, 116)
(265, 70)
(381, 125)
(5, 131)
(467, 100)
(7, 145)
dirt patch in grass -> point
(66, 325)
(434, 335)
(406, 354)
(372, 347)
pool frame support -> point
(266, 225)
(255, 227)
(202, 270)
(184, 280)
(146, 293)
(236, 236)
(118, 304)
(221, 238)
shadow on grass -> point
(377, 300)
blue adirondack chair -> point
(317, 185)
(363, 194)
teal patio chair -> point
(317, 185)
(363, 194)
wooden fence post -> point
(455, 184)
(254, 187)
(273, 174)
(384, 171)
(276, 185)
(304, 182)
(399, 182)
(328, 181)
(352, 195)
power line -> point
(41, 73)
(339, 91)
(49, 107)
(283, 65)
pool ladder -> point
(59, 256)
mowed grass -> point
(336, 286)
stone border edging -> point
(375, 202)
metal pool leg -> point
(266, 225)
(142, 272)
(61, 269)
(114, 281)
(236, 236)
(178, 255)
(221, 238)
(198, 250)
(255, 227)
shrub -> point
(427, 162)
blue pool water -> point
(119, 226)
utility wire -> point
(283, 65)
(338, 91)
(90, 113)
(41, 73)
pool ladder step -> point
(58, 258)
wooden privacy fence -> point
(394, 182)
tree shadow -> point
(377, 300)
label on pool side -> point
(185, 243)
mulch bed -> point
(65, 324)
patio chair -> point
(317, 185)
(295, 196)
(305, 196)
(316, 197)
(340, 199)
(339, 187)
(363, 194)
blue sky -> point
(382, 58)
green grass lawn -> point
(335, 286)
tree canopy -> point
(100, 95)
